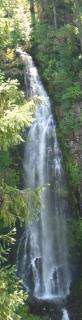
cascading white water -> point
(43, 264)
(65, 315)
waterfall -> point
(42, 258)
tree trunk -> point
(54, 13)
(79, 25)
(32, 6)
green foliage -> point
(74, 92)
(19, 204)
(16, 114)
(13, 301)
(74, 172)
(14, 22)
(12, 296)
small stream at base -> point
(65, 315)
(42, 257)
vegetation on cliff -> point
(15, 115)
(57, 48)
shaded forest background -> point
(52, 32)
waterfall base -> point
(30, 269)
(54, 310)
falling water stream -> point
(42, 258)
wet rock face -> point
(37, 264)
(28, 267)
(46, 308)
(74, 302)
